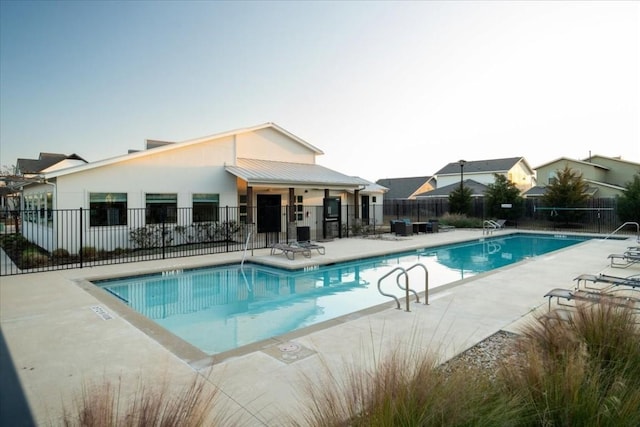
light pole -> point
(461, 163)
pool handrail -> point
(426, 280)
(406, 288)
(624, 225)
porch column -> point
(292, 205)
(249, 205)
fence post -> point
(226, 227)
(164, 235)
(81, 238)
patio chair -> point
(590, 297)
(290, 250)
(312, 245)
(632, 282)
(624, 259)
(404, 228)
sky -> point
(384, 89)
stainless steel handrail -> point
(402, 271)
(624, 225)
(406, 287)
(426, 281)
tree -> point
(503, 191)
(460, 200)
(567, 192)
(629, 202)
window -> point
(299, 209)
(373, 199)
(205, 207)
(161, 208)
(242, 207)
(107, 209)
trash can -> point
(303, 234)
(434, 225)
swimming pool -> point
(221, 308)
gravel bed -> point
(487, 354)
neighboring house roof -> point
(403, 188)
(477, 189)
(169, 146)
(482, 166)
(45, 161)
(265, 172)
(567, 159)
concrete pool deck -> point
(62, 334)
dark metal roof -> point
(480, 166)
(46, 160)
(402, 188)
(477, 189)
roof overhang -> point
(265, 173)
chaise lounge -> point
(290, 250)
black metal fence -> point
(598, 216)
(43, 240)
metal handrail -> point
(244, 256)
(402, 271)
(426, 281)
(406, 287)
(493, 226)
(624, 225)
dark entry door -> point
(365, 209)
(268, 206)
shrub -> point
(150, 236)
(88, 252)
(60, 253)
(32, 258)
(460, 221)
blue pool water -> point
(221, 308)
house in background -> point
(259, 170)
(515, 169)
(406, 188)
(606, 177)
(29, 170)
(47, 162)
(477, 190)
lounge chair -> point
(632, 282)
(625, 259)
(590, 297)
(290, 250)
(311, 245)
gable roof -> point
(567, 159)
(173, 146)
(481, 166)
(267, 172)
(44, 161)
(477, 189)
(402, 188)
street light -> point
(461, 163)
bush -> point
(60, 253)
(88, 252)
(460, 221)
(32, 258)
